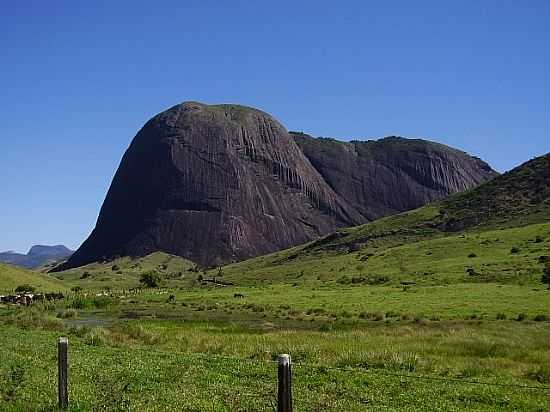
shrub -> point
(514, 250)
(150, 279)
(115, 268)
(26, 288)
(85, 275)
(541, 318)
(472, 255)
(538, 239)
(521, 317)
(344, 280)
(501, 316)
(546, 274)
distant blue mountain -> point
(38, 255)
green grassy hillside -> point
(123, 273)
(11, 277)
(508, 256)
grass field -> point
(449, 322)
(11, 277)
(212, 366)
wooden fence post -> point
(284, 399)
(63, 372)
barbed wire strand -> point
(355, 369)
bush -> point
(501, 316)
(538, 239)
(521, 317)
(150, 280)
(472, 255)
(541, 318)
(26, 288)
(514, 250)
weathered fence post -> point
(284, 399)
(63, 372)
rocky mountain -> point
(220, 183)
(37, 256)
(387, 176)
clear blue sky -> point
(79, 78)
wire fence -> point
(367, 370)
(302, 371)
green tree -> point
(150, 280)
(26, 288)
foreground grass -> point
(155, 365)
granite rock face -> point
(394, 174)
(222, 183)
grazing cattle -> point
(28, 299)
(39, 297)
